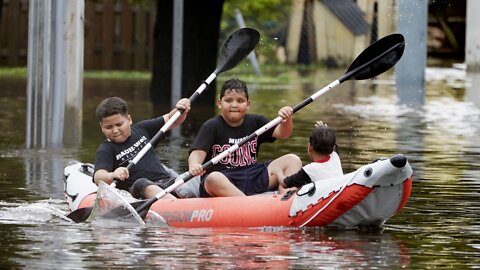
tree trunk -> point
(200, 45)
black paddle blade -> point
(237, 46)
(80, 215)
(377, 58)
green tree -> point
(269, 17)
(259, 11)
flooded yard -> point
(438, 228)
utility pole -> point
(472, 53)
(410, 70)
(55, 72)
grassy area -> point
(270, 73)
(89, 74)
(117, 75)
(13, 72)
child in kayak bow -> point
(325, 160)
(239, 174)
(123, 143)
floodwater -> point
(438, 228)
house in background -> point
(334, 32)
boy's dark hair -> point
(323, 140)
(234, 84)
(111, 106)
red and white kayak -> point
(368, 196)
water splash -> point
(33, 213)
(444, 115)
(375, 107)
(451, 116)
(453, 77)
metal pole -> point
(73, 58)
(251, 57)
(46, 72)
(35, 60)
(55, 71)
(410, 70)
(472, 53)
(58, 93)
(177, 61)
(177, 52)
(32, 5)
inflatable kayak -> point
(368, 196)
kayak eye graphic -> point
(368, 172)
(72, 196)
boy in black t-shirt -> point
(123, 143)
(239, 174)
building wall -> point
(335, 43)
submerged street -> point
(440, 220)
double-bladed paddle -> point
(235, 48)
(374, 60)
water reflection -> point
(44, 170)
(84, 246)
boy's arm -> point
(104, 163)
(284, 129)
(295, 180)
(102, 175)
(184, 104)
(195, 160)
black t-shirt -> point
(215, 136)
(112, 155)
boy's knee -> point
(214, 178)
(294, 159)
(211, 177)
(139, 186)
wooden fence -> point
(14, 33)
(118, 35)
